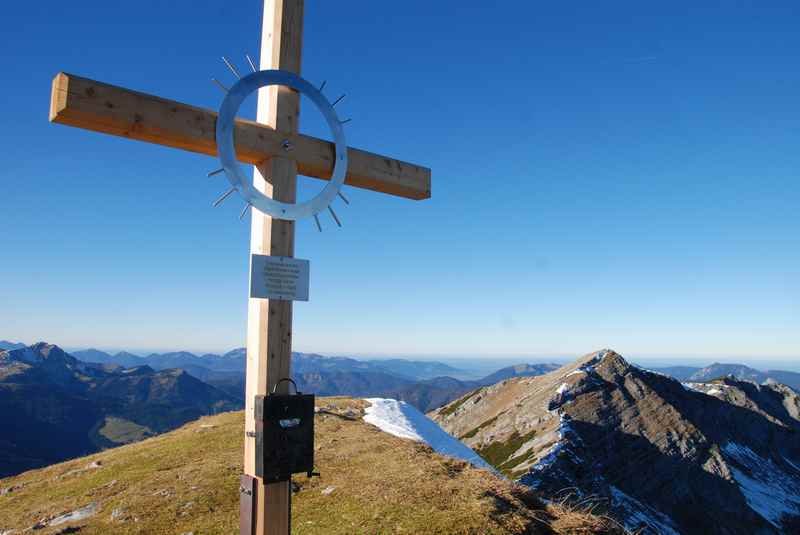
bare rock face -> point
(720, 457)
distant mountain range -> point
(665, 457)
(738, 371)
(424, 384)
(425, 394)
(54, 406)
(301, 362)
(5, 344)
(91, 399)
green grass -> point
(498, 453)
(450, 409)
(472, 433)
(123, 431)
(188, 481)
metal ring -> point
(227, 152)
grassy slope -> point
(187, 480)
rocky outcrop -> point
(661, 455)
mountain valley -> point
(55, 406)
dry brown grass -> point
(187, 481)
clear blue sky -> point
(604, 175)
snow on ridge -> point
(768, 490)
(555, 450)
(400, 419)
(796, 467)
(662, 374)
(696, 387)
(588, 366)
(638, 513)
(562, 389)
(713, 388)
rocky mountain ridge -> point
(746, 373)
(667, 457)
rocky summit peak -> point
(597, 357)
(668, 457)
(605, 362)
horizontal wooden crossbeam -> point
(101, 107)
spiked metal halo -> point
(227, 152)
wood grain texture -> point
(101, 107)
(269, 322)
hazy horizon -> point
(486, 362)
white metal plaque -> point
(279, 277)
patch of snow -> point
(562, 389)
(769, 491)
(588, 366)
(400, 419)
(700, 387)
(556, 449)
(637, 513)
(76, 515)
(655, 372)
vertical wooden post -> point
(269, 323)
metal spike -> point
(220, 84)
(322, 86)
(244, 211)
(216, 172)
(250, 61)
(338, 100)
(345, 121)
(233, 69)
(334, 216)
(316, 218)
(223, 197)
(343, 197)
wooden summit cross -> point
(113, 110)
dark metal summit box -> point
(284, 435)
